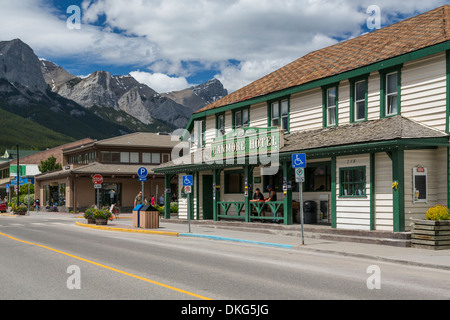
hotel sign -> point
(247, 141)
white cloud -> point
(160, 82)
(165, 36)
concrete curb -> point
(161, 233)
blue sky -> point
(172, 44)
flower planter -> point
(101, 222)
(430, 234)
(90, 220)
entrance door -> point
(208, 198)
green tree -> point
(49, 165)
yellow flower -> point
(395, 185)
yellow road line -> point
(109, 268)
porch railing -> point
(272, 210)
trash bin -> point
(149, 217)
(136, 218)
(310, 212)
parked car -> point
(3, 207)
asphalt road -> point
(45, 257)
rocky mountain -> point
(98, 106)
(197, 97)
(125, 93)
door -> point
(207, 197)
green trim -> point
(383, 75)
(447, 126)
(372, 191)
(398, 175)
(333, 193)
(353, 82)
(269, 112)
(197, 205)
(437, 48)
(287, 194)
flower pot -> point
(90, 220)
(430, 234)
(101, 222)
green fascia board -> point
(371, 147)
(384, 64)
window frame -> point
(326, 107)
(280, 115)
(220, 131)
(353, 101)
(241, 111)
(353, 183)
(384, 88)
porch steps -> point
(397, 239)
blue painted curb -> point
(286, 246)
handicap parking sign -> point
(299, 160)
(188, 181)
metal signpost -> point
(142, 174)
(188, 183)
(97, 180)
(299, 164)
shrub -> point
(102, 214)
(438, 212)
(89, 213)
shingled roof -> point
(422, 31)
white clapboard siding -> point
(344, 103)
(306, 110)
(383, 193)
(353, 213)
(436, 179)
(258, 115)
(182, 202)
(373, 97)
(423, 96)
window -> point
(156, 158)
(165, 157)
(220, 125)
(352, 182)
(318, 177)
(110, 156)
(125, 157)
(241, 118)
(234, 182)
(360, 100)
(146, 158)
(199, 133)
(134, 157)
(330, 102)
(279, 114)
(392, 93)
(420, 185)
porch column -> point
(287, 193)
(398, 178)
(248, 176)
(167, 195)
(216, 196)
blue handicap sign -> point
(188, 181)
(299, 160)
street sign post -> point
(142, 174)
(188, 183)
(299, 164)
(97, 180)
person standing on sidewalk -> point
(138, 199)
(36, 205)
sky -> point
(173, 44)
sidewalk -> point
(411, 256)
